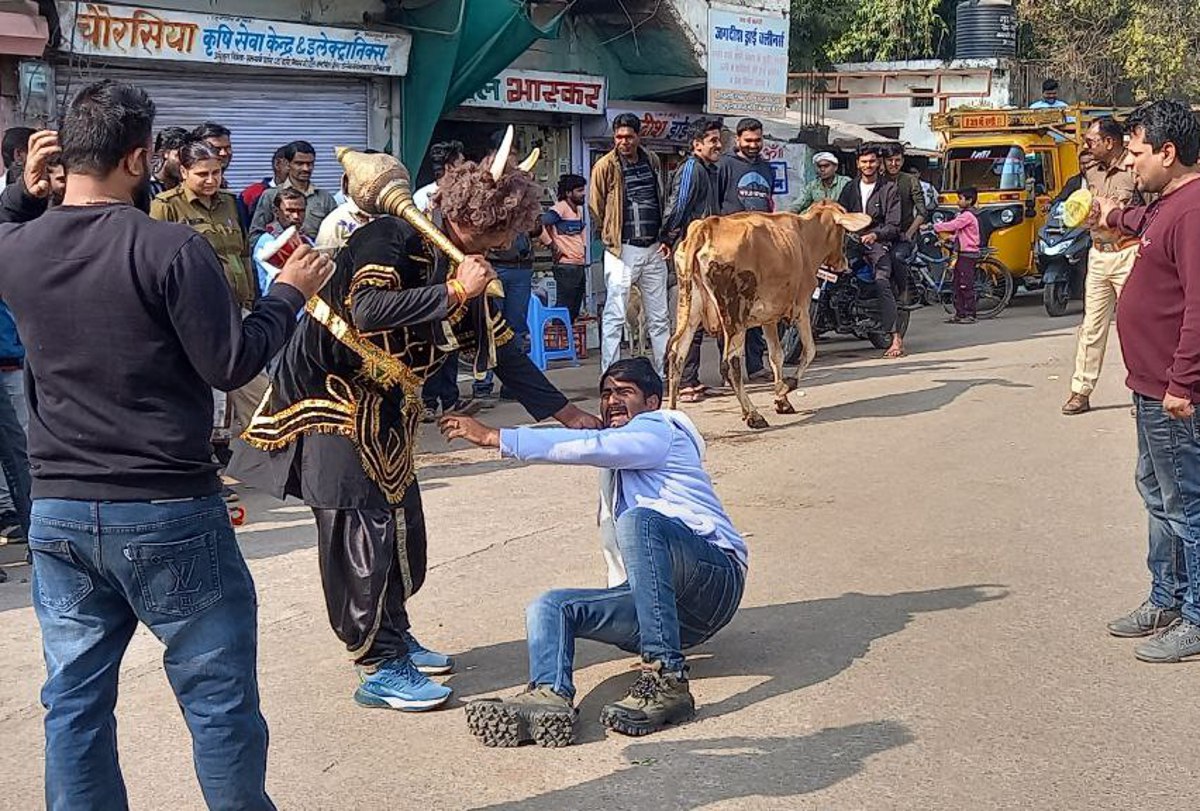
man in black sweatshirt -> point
(746, 182)
(129, 323)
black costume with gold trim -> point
(337, 427)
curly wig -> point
(468, 195)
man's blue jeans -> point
(99, 569)
(681, 590)
(518, 287)
(14, 460)
(1168, 478)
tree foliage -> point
(828, 31)
(1140, 48)
(886, 30)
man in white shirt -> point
(870, 194)
(340, 224)
(684, 562)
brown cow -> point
(754, 270)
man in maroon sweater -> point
(1159, 324)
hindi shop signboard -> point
(135, 32)
(543, 91)
(747, 62)
(659, 125)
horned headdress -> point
(380, 184)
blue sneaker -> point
(428, 662)
(398, 685)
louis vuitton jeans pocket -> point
(99, 569)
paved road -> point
(934, 551)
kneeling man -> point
(685, 564)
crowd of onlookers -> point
(638, 212)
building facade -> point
(269, 80)
(895, 99)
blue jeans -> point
(681, 590)
(14, 459)
(441, 387)
(518, 287)
(1168, 478)
(98, 569)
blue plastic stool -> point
(539, 316)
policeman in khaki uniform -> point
(1109, 261)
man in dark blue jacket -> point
(18, 205)
(693, 196)
(13, 417)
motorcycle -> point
(846, 303)
(1062, 261)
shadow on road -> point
(900, 404)
(427, 474)
(907, 403)
(790, 646)
(824, 375)
(697, 773)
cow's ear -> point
(852, 222)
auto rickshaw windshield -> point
(987, 168)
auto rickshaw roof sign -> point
(975, 120)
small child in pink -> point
(965, 227)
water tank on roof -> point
(986, 29)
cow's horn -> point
(530, 162)
(501, 159)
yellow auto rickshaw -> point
(1019, 160)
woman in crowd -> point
(199, 201)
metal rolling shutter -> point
(263, 112)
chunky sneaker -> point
(1180, 641)
(398, 685)
(536, 714)
(1143, 620)
(654, 701)
(428, 662)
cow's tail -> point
(687, 268)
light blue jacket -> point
(658, 459)
(266, 273)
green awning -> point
(459, 46)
